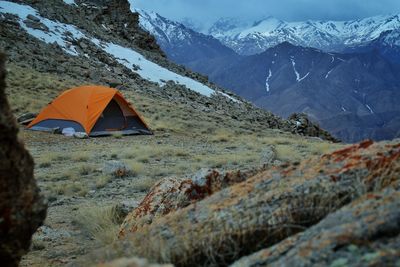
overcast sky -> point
(208, 11)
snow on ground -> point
(369, 108)
(149, 70)
(267, 80)
(298, 78)
(327, 75)
(69, 2)
(305, 76)
(58, 31)
(295, 71)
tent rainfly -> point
(95, 110)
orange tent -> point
(95, 110)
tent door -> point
(112, 119)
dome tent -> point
(95, 110)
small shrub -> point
(85, 169)
(100, 223)
(45, 164)
(143, 184)
(102, 181)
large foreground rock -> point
(22, 209)
(263, 210)
(364, 233)
(171, 194)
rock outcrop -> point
(171, 194)
(266, 208)
(304, 126)
(22, 208)
(364, 233)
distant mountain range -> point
(345, 75)
(329, 36)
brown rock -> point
(364, 233)
(172, 194)
(266, 208)
(22, 209)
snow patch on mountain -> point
(329, 72)
(298, 78)
(69, 2)
(369, 108)
(57, 33)
(305, 76)
(294, 69)
(267, 80)
(149, 70)
(324, 35)
(56, 30)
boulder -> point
(123, 208)
(264, 209)
(116, 168)
(36, 25)
(33, 18)
(364, 233)
(22, 208)
(171, 194)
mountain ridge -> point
(332, 36)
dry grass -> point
(69, 188)
(86, 169)
(100, 223)
(30, 90)
(143, 184)
(102, 181)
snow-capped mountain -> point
(181, 44)
(325, 35)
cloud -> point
(207, 11)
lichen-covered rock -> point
(171, 194)
(266, 208)
(364, 233)
(116, 168)
(22, 209)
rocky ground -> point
(83, 194)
